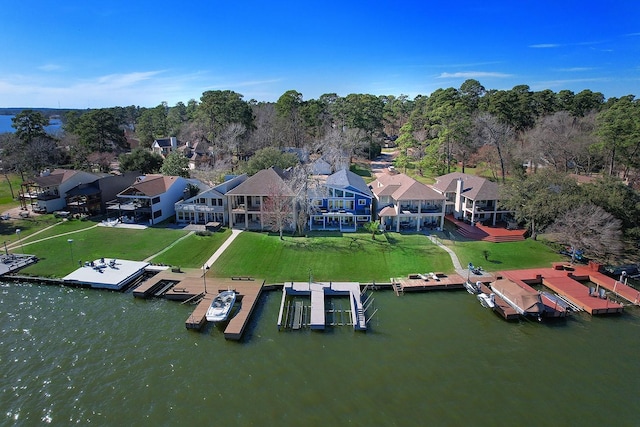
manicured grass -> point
(6, 201)
(29, 226)
(193, 251)
(55, 254)
(504, 256)
(348, 257)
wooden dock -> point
(501, 306)
(249, 291)
(428, 282)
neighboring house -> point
(208, 206)
(403, 203)
(249, 202)
(151, 198)
(343, 204)
(320, 167)
(301, 153)
(471, 198)
(165, 146)
(91, 198)
(197, 153)
(47, 192)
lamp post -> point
(20, 239)
(205, 267)
(71, 249)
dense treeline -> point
(506, 131)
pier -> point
(427, 282)
(294, 316)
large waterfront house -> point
(151, 198)
(402, 203)
(253, 203)
(165, 146)
(91, 198)
(471, 198)
(208, 206)
(48, 191)
(342, 203)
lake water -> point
(54, 128)
(80, 356)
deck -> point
(501, 306)
(565, 281)
(497, 234)
(428, 282)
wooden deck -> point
(565, 281)
(497, 234)
(501, 306)
(249, 291)
(426, 282)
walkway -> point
(149, 258)
(463, 272)
(234, 233)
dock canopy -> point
(522, 300)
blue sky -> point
(86, 54)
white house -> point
(209, 205)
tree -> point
(490, 131)
(539, 198)
(289, 116)
(590, 228)
(372, 227)
(152, 124)
(268, 157)
(278, 208)
(218, 109)
(619, 133)
(98, 130)
(140, 160)
(175, 164)
(29, 125)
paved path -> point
(22, 243)
(463, 272)
(221, 249)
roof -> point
(474, 187)
(151, 185)
(163, 142)
(56, 177)
(403, 187)
(527, 301)
(347, 179)
(85, 189)
(263, 183)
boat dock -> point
(294, 317)
(14, 262)
(427, 282)
(565, 280)
(501, 307)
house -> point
(471, 198)
(252, 204)
(91, 198)
(197, 153)
(320, 167)
(151, 198)
(165, 146)
(342, 203)
(402, 203)
(47, 192)
(209, 206)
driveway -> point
(381, 163)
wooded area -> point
(529, 140)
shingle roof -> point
(345, 179)
(474, 187)
(263, 183)
(151, 185)
(403, 187)
(56, 177)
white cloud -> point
(544, 46)
(50, 67)
(575, 69)
(473, 75)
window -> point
(155, 200)
(157, 214)
(339, 193)
(362, 202)
(348, 194)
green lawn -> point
(55, 254)
(504, 256)
(6, 201)
(349, 257)
(193, 251)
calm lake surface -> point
(54, 128)
(80, 356)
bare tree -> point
(488, 130)
(590, 228)
(559, 140)
(279, 208)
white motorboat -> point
(487, 301)
(472, 288)
(221, 306)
